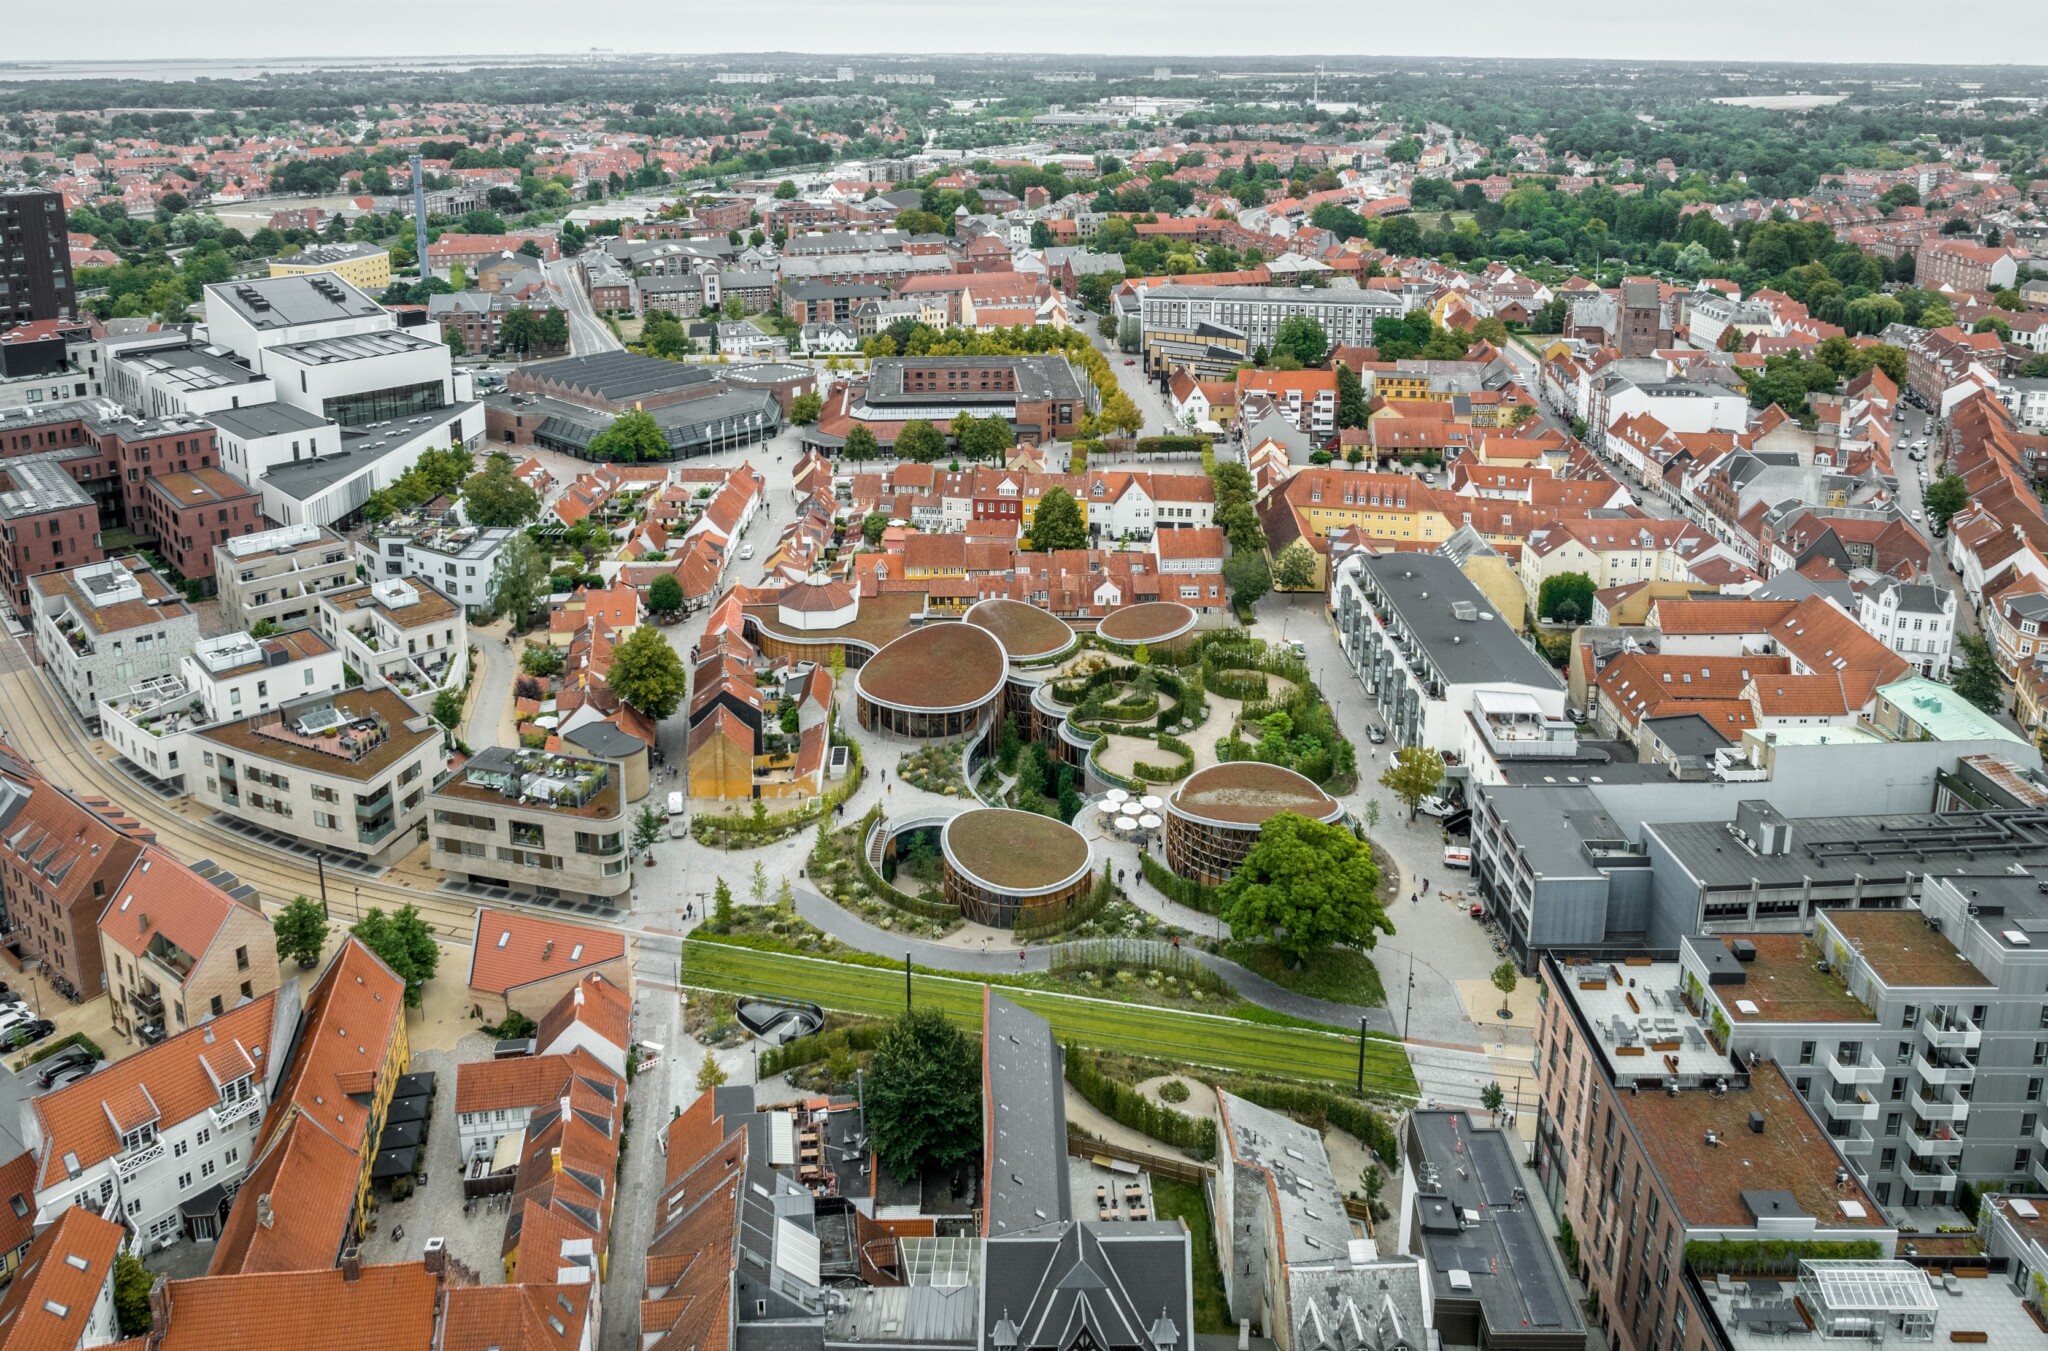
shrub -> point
(1167, 773)
(1318, 1108)
(1175, 887)
(1128, 1107)
(1712, 1257)
(1173, 445)
(515, 1026)
(1173, 1090)
(75, 1039)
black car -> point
(71, 1074)
(71, 1057)
(1376, 735)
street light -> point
(320, 863)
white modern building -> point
(275, 576)
(399, 633)
(105, 627)
(255, 439)
(460, 561)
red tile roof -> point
(596, 1003)
(386, 1308)
(160, 895)
(513, 949)
(514, 1317)
(60, 1280)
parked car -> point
(71, 1057)
(746, 551)
(1376, 735)
(73, 1075)
(1437, 806)
(1457, 856)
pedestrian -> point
(1020, 956)
(1425, 884)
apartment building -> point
(105, 627)
(402, 634)
(35, 258)
(1653, 1133)
(348, 773)
(180, 947)
(460, 561)
(537, 823)
(163, 1137)
(1180, 318)
(276, 576)
(59, 862)
(1960, 265)
(367, 266)
(47, 521)
(1914, 619)
(585, 1033)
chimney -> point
(264, 1215)
(351, 1265)
(547, 949)
(579, 996)
(436, 1257)
(160, 1305)
(555, 1157)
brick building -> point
(1960, 265)
(60, 861)
(190, 511)
(46, 521)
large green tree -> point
(405, 942)
(860, 444)
(647, 673)
(1351, 408)
(665, 594)
(1057, 524)
(1945, 497)
(519, 331)
(983, 438)
(301, 929)
(496, 496)
(1295, 568)
(923, 1095)
(633, 436)
(1566, 598)
(1978, 680)
(1246, 574)
(920, 442)
(804, 408)
(1415, 773)
(519, 582)
(1305, 886)
(1302, 338)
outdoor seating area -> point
(1872, 1301)
(1110, 1190)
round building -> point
(1002, 865)
(1213, 818)
(1154, 623)
(943, 680)
(1028, 634)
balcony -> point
(1946, 1072)
(149, 1005)
(1926, 1139)
(376, 830)
(226, 1114)
(1937, 1109)
(2038, 1169)
(131, 1164)
(1935, 1177)
(1859, 1106)
(1864, 1071)
(1858, 1143)
(1956, 1033)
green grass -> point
(1189, 1202)
(1343, 975)
(1172, 1035)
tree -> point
(1305, 886)
(647, 673)
(1057, 523)
(632, 436)
(1372, 815)
(452, 336)
(554, 329)
(1246, 574)
(541, 660)
(785, 190)
(496, 496)
(1566, 598)
(519, 583)
(1945, 497)
(1302, 338)
(721, 906)
(710, 1074)
(406, 944)
(983, 438)
(448, 708)
(301, 929)
(805, 407)
(2035, 368)
(647, 827)
(923, 1095)
(1351, 409)
(132, 1282)
(520, 331)
(665, 594)
(860, 444)
(1505, 979)
(871, 527)
(920, 442)
(1978, 681)
(1295, 568)
(1937, 315)
(1413, 775)
(1491, 1097)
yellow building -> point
(363, 266)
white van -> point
(678, 817)
(1457, 857)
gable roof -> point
(510, 949)
(46, 1306)
(390, 1305)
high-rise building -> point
(35, 259)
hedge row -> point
(901, 900)
(1172, 445)
(822, 1046)
(1167, 773)
(1128, 1107)
(1175, 887)
(1711, 1257)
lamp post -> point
(320, 864)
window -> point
(241, 959)
(1806, 1053)
(184, 1181)
(205, 1134)
(1891, 1123)
(2019, 1160)
(216, 1006)
(206, 1168)
(178, 1148)
(142, 1137)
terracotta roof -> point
(522, 1081)
(1824, 639)
(1730, 616)
(46, 1306)
(307, 1180)
(73, 1120)
(160, 895)
(514, 1317)
(512, 949)
(596, 1003)
(386, 1308)
(17, 1201)
(1791, 696)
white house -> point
(1913, 619)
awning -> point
(414, 1084)
(505, 1157)
(394, 1162)
(206, 1203)
(403, 1135)
(407, 1109)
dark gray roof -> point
(620, 376)
(302, 479)
(34, 484)
(282, 302)
(1026, 1120)
(1686, 734)
(685, 423)
(1470, 1171)
(265, 419)
(1373, 300)
(604, 739)
(1915, 597)
(1549, 824)
(832, 290)
(1448, 617)
(1042, 377)
(1841, 850)
(1125, 1283)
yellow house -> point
(363, 266)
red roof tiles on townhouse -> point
(511, 949)
(46, 1306)
(386, 1306)
(1824, 639)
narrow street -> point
(588, 334)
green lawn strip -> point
(1171, 1035)
(1341, 975)
(1189, 1202)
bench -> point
(1971, 1338)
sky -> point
(1732, 31)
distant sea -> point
(13, 72)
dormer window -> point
(142, 1137)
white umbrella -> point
(1115, 795)
(1150, 822)
(1150, 803)
(1126, 823)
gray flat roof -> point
(265, 419)
(353, 347)
(1038, 377)
(36, 484)
(1548, 823)
(1026, 1125)
(302, 479)
(618, 376)
(190, 367)
(1839, 850)
(1424, 589)
(1313, 1224)
(283, 302)
(1687, 734)
(1301, 295)
(1470, 1170)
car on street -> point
(746, 551)
(71, 1075)
(1376, 735)
(1457, 856)
(1916, 515)
(1437, 806)
(1130, 361)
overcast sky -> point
(1733, 31)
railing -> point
(1952, 1072)
(1936, 1178)
(228, 1113)
(1938, 1109)
(1932, 1142)
(1866, 1070)
(130, 1164)
(1958, 1035)
(1862, 1107)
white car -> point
(746, 551)
(1435, 806)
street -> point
(588, 334)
